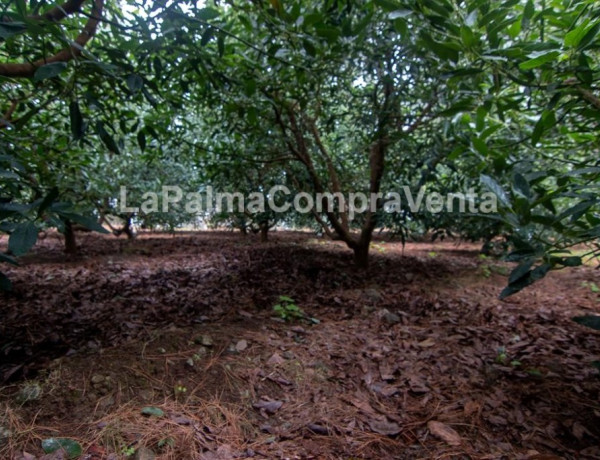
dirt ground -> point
(169, 347)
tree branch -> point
(27, 70)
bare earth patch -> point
(169, 347)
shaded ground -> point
(417, 359)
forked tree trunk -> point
(70, 240)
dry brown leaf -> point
(471, 407)
(444, 432)
(269, 406)
(430, 342)
(384, 427)
(275, 360)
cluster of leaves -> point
(321, 96)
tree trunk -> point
(128, 230)
(264, 232)
(70, 240)
(361, 254)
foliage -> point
(288, 310)
(320, 96)
(71, 448)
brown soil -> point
(416, 359)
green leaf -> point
(206, 14)
(22, 239)
(8, 29)
(387, 5)
(329, 33)
(152, 411)
(399, 14)
(49, 71)
(539, 60)
(309, 48)
(525, 280)
(467, 36)
(576, 211)
(591, 321)
(151, 99)
(572, 261)
(72, 448)
(573, 37)
(88, 222)
(447, 50)
(221, 44)
(134, 83)
(252, 115)
(8, 260)
(107, 139)
(206, 36)
(519, 272)
(47, 201)
(5, 284)
(589, 37)
(496, 189)
(527, 14)
(141, 138)
(480, 146)
(521, 186)
(76, 120)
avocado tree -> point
(530, 119)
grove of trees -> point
(327, 96)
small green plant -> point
(501, 355)
(127, 451)
(485, 271)
(433, 254)
(378, 247)
(166, 442)
(179, 391)
(593, 286)
(287, 309)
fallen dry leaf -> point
(384, 427)
(444, 432)
(268, 406)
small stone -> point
(202, 351)
(275, 360)
(190, 362)
(143, 453)
(389, 317)
(97, 379)
(241, 345)
(288, 355)
(29, 392)
(373, 295)
(107, 402)
(5, 434)
(206, 340)
(146, 395)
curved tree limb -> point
(60, 12)
(27, 69)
